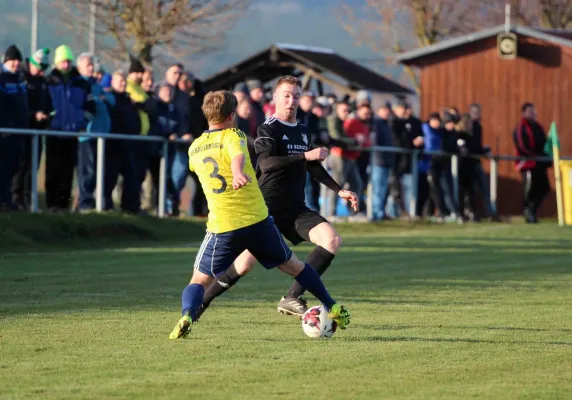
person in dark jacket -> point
(39, 109)
(449, 145)
(13, 115)
(167, 126)
(120, 158)
(432, 140)
(306, 117)
(197, 125)
(73, 110)
(256, 96)
(474, 145)
(529, 139)
(407, 134)
(382, 165)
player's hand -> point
(319, 154)
(240, 180)
(352, 197)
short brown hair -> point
(288, 79)
(217, 106)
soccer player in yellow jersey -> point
(238, 222)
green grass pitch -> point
(455, 312)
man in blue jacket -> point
(73, 110)
(87, 147)
(432, 134)
(13, 115)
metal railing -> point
(103, 137)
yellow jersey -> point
(210, 156)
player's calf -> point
(192, 299)
(310, 279)
(328, 242)
(241, 266)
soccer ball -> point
(316, 323)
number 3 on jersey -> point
(215, 175)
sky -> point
(308, 22)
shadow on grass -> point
(448, 340)
(392, 327)
(153, 280)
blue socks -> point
(310, 280)
(193, 296)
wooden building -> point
(317, 65)
(470, 69)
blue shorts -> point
(263, 240)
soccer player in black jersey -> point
(284, 155)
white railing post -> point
(163, 179)
(34, 173)
(100, 175)
(455, 175)
(494, 176)
(371, 183)
(414, 184)
(324, 199)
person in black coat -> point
(13, 115)
(120, 155)
(529, 139)
(407, 134)
(39, 110)
(197, 125)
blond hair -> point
(217, 106)
(289, 80)
(119, 73)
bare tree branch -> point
(389, 27)
(393, 26)
(181, 28)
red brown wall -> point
(542, 73)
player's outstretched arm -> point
(265, 146)
(239, 178)
(319, 173)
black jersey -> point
(281, 165)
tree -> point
(393, 26)
(552, 14)
(177, 28)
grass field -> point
(478, 311)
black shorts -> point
(296, 225)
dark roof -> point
(281, 59)
(560, 37)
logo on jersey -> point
(284, 137)
(242, 143)
(305, 138)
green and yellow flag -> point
(552, 140)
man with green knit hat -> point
(40, 59)
(73, 107)
(39, 110)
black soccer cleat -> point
(293, 306)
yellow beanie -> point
(63, 53)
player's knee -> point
(244, 263)
(293, 266)
(243, 268)
(332, 243)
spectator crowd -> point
(79, 95)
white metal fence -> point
(103, 137)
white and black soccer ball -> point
(316, 323)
